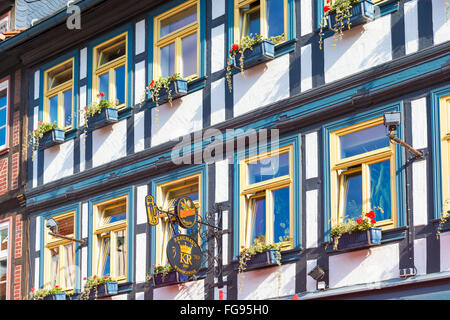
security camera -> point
(52, 225)
(392, 120)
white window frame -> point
(5, 20)
(4, 255)
(4, 86)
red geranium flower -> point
(235, 47)
(101, 94)
(326, 8)
(151, 84)
(56, 286)
(84, 278)
(373, 221)
(370, 215)
(359, 220)
(95, 276)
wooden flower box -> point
(172, 277)
(56, 296)
(262, 52)
(52, 138)
(264, 259)
(361, 12)
(177, 88)
(103, 290)
(104, 118)
(359, 239)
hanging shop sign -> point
(152, 210)
(186, 212)
(184, 254)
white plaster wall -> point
(306, 68)
(363, 266)
(218, 8)
(82, 152)
(311, 284)
(139, 82)
(420, 255)
(306, 18)
(311, 218)
(83, 63)
(37, 248)
(139, 131)
(420, 192)
(411, 27)
(444, 245)
(109, 143)
(419, 123)
(441, 23)
(141, 213)
(311, 155)
(84, 266)
(36, 273)
(225, 237)
(83, 103)
(218, 101)
(141, 255)
(182, 117)
(361, 48)
(224, 290)
(263, 283)
(261, 85)
(222, 181)
(140, 296)
(58, 161)
(36, 85)
(84, 219)
(192, 290)
(218, 48)
(140, 37)
(35, 153)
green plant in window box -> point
(445, 216)
(342, 10)
(92, 284)
(155, 87)
(97, 107)
(359, 224)
(42, 294)
(246, 43)
(35, 137)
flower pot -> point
(4, 246)
(104, 289)
(56, 296)
(173, 277)
(262, 52)
(360, 12)
(104, 118)
(264, 259)
(177, 88)
(359, 239)
(52, 138)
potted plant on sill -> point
(252, 50)
(445, 218)
(166, 275)
(101, 113)
(47, 135)
(166, 89)
(357, 233)
(98, 287)
(55, 293)
(341, 13)
(259, 254)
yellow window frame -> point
(444, 104)
(109, 68)
(58, 91)
(163, 229)
(239, 32)
(248, 192)
(341, 167)
(175, 37)
(110, 228)
(50, 243)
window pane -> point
(352, 196)
(114, 214)
(3, 136)
(121, 253)
(54, 267)
(3, 280)
(380, 189)
(179, 20)
(105, 257)
(65, 226)
(67, 100)
(189, 55)
(251, 19)
(259, 218)
(275, 17)
(281, 213)
(3, 239)
(168, 60)
(113, 52)
(363, 141)
(270, 168)
(53, 110)
(3, 100)
(120, 85)
(104, 85)
(3, 117)
(69, 274)
(60, 75)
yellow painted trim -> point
(444, 104)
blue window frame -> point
(4, 111)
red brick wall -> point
(16, 128)
(17, 279)
(19, 225)
(3, 175)
(15, 171)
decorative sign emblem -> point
(152, 210)
(184, 254)
(186, 212)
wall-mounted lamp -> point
(317, 273)
(391, 121)
(53, 226)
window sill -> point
(287, 256)
(388, 236)
(4, 151)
